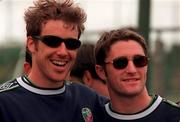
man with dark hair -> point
(53, 31)
(122, 60)
(84, 70)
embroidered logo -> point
(8, 86)
(87, 115)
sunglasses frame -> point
(55, 41)
(126, 59)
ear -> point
(87, 78)
(100, 71)
(27, 67)
(30, 44)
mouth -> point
(59, 63)
(130, 80)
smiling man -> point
(53, 32)
(122, 60)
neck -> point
(131, 104)
(41, 81)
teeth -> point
(131, 80)
(59, 63)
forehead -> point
(59, 28)
(125, 48)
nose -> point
(62, 50)
(131, 68)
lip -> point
(59, 64)
(130, 79)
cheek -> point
(73, 54)
(145, 70)
(144, 73)
(112, 74)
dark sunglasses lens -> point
(52, 41)
(140, 61)
(120, 63)
(72, 44)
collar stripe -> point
(134, 116)
(39, 91)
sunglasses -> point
(54, 41)
(122, 62)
